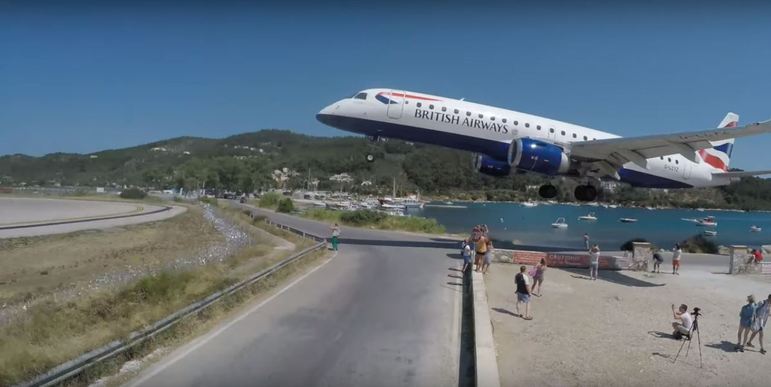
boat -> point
(529, 204)
(710, 232)
(627, 220)
(707, 222)
(560, 223)
(589, 217)
(755, 228)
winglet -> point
(730, 121)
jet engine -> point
(539, 156)
(490, 166)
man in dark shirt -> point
(523, 292)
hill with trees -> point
(282, 159)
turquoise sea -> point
(532, 225)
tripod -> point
(694, 328)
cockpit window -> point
(361, 96)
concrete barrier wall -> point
(559, 259)
(485, 357)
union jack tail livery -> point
(719, 156)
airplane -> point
(507, 141)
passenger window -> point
(586, 138)
(562, 132)
(527, 125)
(431, 107)
(406, 102)
(661, 157)
(574, 135)
(420, 104)
(551, 130)
(503, 120)
(677, 161)
(361, 96)
(444, 109)
(456, 111)
(538, 127)
(468, 114)
(669, 159)
(492, 118)
(594, 139)
(481, 116)
(516, 123)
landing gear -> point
(370, 158)
(373, 138)
(585, 193)
(547, 191)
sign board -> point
(574, 260)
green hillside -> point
(245, 162)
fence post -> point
(736, 254)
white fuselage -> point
(474, 127)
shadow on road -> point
(505, 311)
(615, 277)
(455, 276)
(397, 243)
(661, 335)
(726, 346)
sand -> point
(616, 331)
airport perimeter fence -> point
(77, 366)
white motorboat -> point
(707, 222)
(589, 217)
(627, 220)
(529, 204)
(755, 228)
(560, 223)
(710, 232)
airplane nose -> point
(327, 115)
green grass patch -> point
(377, 220)
(269, 200)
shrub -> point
(699, 244)
(629, 245)
(269, 200)
(133, 193)
(322, 214)
(362, 217)
(285, 205)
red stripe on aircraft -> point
(713, 160)
(411, 96)
(731, 124)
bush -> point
(322, 214)
(362, 217)
(133, 193)
(699, 244)
(285, 205)
(629, 245)
(269, 200)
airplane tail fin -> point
(719, 156)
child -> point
(466, 253)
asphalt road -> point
(386, 311)
(26, 217)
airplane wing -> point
(742, 173)
(618, 151)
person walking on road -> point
(540, 269)
(594, 261)
(586, 241)
(759, 322)
(523, 292)
(746, 315)
(335, 235)
(676, 253)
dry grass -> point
(37, 266)
(50, 332)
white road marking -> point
(205, 339)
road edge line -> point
(485, 358)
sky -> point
(84, 76)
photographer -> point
(683, 327)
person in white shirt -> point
(676, 252)
(682, 327)
(594, 261)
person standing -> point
(488, 255)
(759, 322)
(746, 315)
(466, 252)
(540, 269)
(594, 261)
(676, 253)
(586, 241)
(481, 249)
(657, 261)
(335, 235)
(523, 292)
